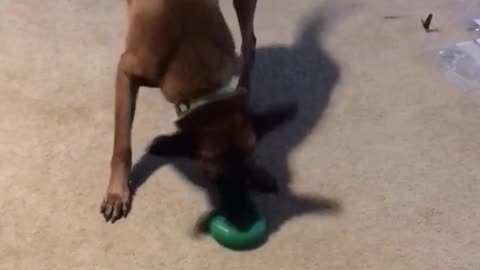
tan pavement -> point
(380, 166)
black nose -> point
(233, 183)
(234, 200)
(233, 187)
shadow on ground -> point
(291, 90)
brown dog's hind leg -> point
(245, 10)
(117, 201)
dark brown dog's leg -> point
(245, 10)
(117, 201)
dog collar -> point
(226, 90)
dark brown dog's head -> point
(222, 139)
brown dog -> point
(185, 48)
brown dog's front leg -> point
(117, 201)
(245, 10)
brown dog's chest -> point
(183, 46)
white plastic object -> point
(462, 64)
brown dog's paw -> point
(115, 206)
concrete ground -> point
(379, 166)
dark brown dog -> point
(185, 48)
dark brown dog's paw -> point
(115, 206)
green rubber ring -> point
(228, 235)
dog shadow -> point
(291, 88)
(301, 77)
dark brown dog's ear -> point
(261, 180)
(177, 145)
(272, 118)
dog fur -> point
(185, 48)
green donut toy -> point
(249, 235)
